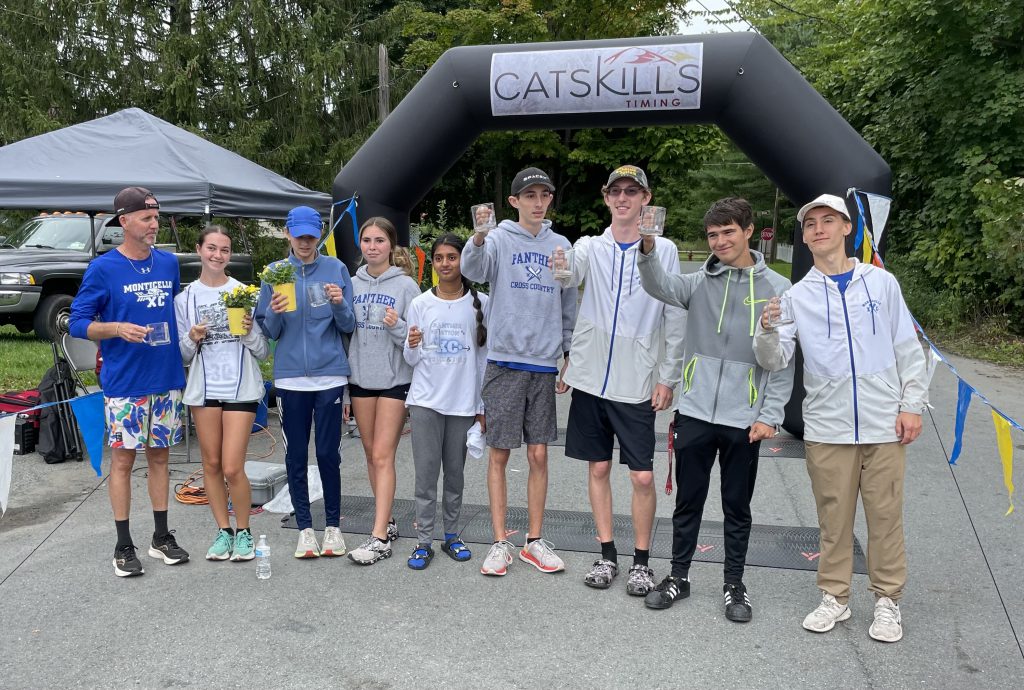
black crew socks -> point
(608, 551)
(160, 520)
(641, 556)
(124, 536)
(530, 540)
(230, 531)
(242, 529)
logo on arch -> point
(662, 77)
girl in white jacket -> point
(446, 348)
(224, 389)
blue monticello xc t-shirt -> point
(116, 288)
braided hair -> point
(451, 240)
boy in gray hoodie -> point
(728, 403)
(530, 325)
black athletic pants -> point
(696, 444)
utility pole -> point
(383, 83)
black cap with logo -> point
(530, 176)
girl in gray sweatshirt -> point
(380, 377)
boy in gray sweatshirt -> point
(530, 325)
(728, 403)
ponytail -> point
(481, 329)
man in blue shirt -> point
(127, 301)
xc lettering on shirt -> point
(152, 293)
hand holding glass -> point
(562, 263)
(652, 220)
(483, 217)
(158, 333)
(780, 310)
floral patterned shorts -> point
(149, 421)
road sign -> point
(767, 234)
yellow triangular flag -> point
(1005, 444)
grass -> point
(986, 340)
(25, 359)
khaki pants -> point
(838, 472)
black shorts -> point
(594, 423)
(233, 406)
(395, 392)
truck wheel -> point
(47, 313)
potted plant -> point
(239, 302)
(281, 275)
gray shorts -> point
(520, 406)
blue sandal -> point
(421, 557)
(457, 550)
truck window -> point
(53, 233)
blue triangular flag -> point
(88, 411)
(963, 401)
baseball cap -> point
(529, 176)
(830, 200)
(631, 172)
(131, 199)
(303, 221)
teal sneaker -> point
(221, 549)
(244, 550)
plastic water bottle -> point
(262, 558)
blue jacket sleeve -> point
(344, 315)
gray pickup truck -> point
(42, 264)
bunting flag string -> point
(877, 214)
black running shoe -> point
(666, 592)
(392, 533)
(737, 603)
(167, 549)
(126, 563)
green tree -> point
(936, 88)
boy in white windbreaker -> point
(530, 325)
(866, 384)
(624, 364)
(728, 404)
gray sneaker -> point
(371, 551)
(640, 582)
(888, 624)
(828, 613)
(601, 574)
(498, 558)
(392, 530)
(541, 555)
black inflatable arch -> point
(746, 88)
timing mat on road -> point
(771, 546)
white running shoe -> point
(888, 624)
(498, 558)
(541, 555)
(828, 613)
(334, 543)
(371, 551)
(307, 546)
